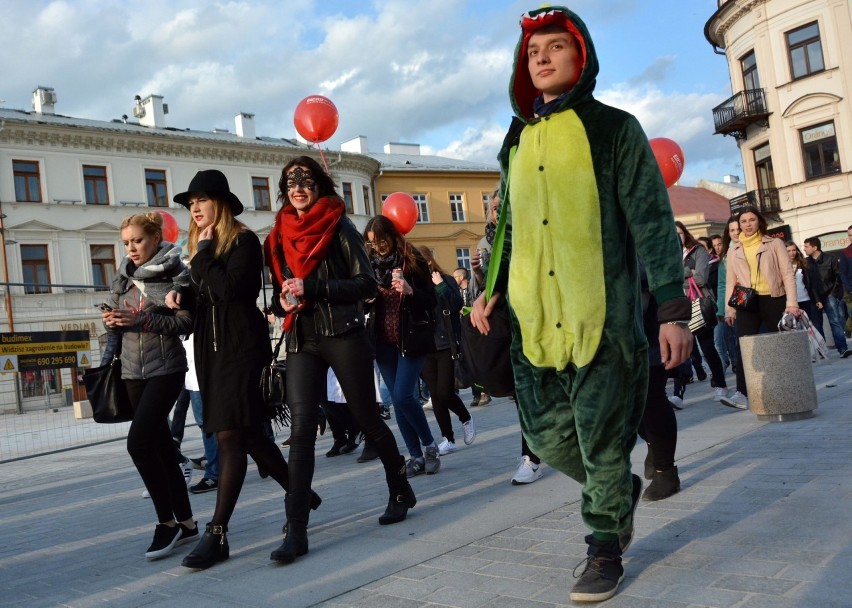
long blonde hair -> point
(226, 229)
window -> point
(95, 185)
(103, 265)
(155, 186)
(805, 51)
(368, 206)
(422, 208)
(36, 268)
(763, 168)
(463, 258)
(347, 197)
(819, 151)
(457, 207)
(27, 181)
(260, 193)
(40, 383)
(751, 80)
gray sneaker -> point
(433, 461)
(599, 580)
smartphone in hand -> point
(104, 307)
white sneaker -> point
(720, 393)
(469, 432)
(446, 447)
(737, 400)
(527, 472)
(146, 493)
(186, 468)
(676, 402)
(428, 404)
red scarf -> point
(301, 241)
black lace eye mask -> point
(300, 177)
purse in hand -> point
(743, 298)
(273, 388)
(107, 393)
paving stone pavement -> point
(762, 521)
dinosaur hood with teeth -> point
(521, 89)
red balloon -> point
(401, 210)
(170, 227)
(316, 118)
(670, 159)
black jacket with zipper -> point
(336, 289)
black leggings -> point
(704, 337)
(439, 372)
(769, 312)
(659, 423)
(150, 445)
(349, 356)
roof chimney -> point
(245, 125)
(731, 179)
(358, 145)
(151, 111)
(399, 148)
(44, 98)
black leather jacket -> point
(337, 287)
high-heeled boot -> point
(295, 544)
(401, 495)
(212, 548)
(316, 501)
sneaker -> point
(469, 432)
(474, 403)
(484, 399)
(433, 462)
(527, 472)
(205, 485)
(165, 539)
(186, 469)
(428, 404)
(414, 467)
(599, 580)
(676, 402)
(385, 412)
(626, 537)
(146, 493)
(737, 400)
(199, 464)
(719, 393)
(846, 353)
(446, 447)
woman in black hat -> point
(231, 347)
(322, 275)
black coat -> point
(449, 307)
(231, 334)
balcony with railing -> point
(734, 115)
(765, 200)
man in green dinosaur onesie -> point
(585, 198)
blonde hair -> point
(151, 223)
(226, 229)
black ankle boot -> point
(665, 484)
(212, 548)
(295, 544)
(398, 506)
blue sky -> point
(433, 72)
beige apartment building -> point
(790, 63)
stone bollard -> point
(779, 375)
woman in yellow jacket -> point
(758, 261)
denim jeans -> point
(725, 338)
(402, 374)
(211, 449)
(835, 309)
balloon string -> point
(322, 156)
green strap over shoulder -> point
(499, 235)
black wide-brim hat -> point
(215, 184)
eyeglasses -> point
(379, 244)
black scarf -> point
(383, 267)
(543, 109)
